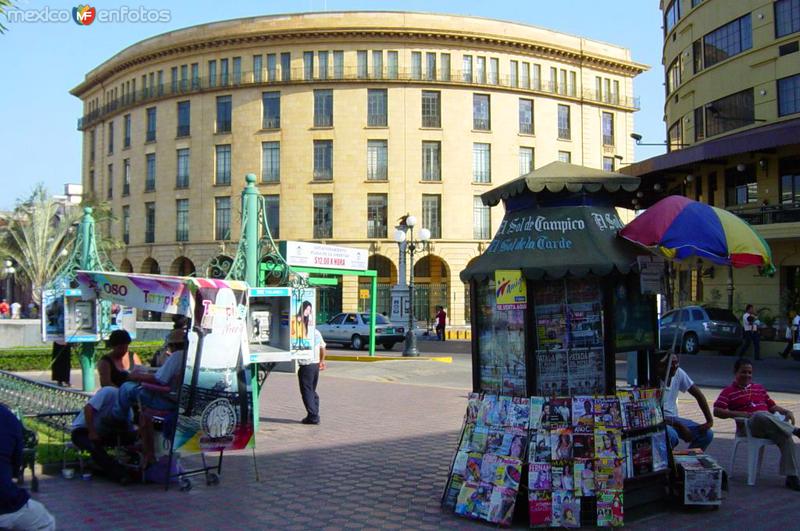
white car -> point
(352, 329)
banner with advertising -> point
(303, 320)
(157, 293)
(511, 291)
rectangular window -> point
(110, 138)
(126, 177)
(308, 66)
(536, 82)
(480, 112)
(149, 222)
(525, 160)
(480, 69)
(184, 78)
(377, 214)
(222, 174)
(481, 222)
(741, 187)
(126, 131)
(150, 172)
(481, 163)
(323, 108)
(565, 156)
(110, 194)
(674, 75)
(258, 73)
(525, 75)
(272, 204)
(608, 129)
(789, 95)
(672, 14)
(377, 64)
(789, 171)
(174, 79)
(222, 218)
(361, 64)
(444, 69)
(195, 77)
(467, 69)
(286, 66)
(182, 220)
(182, 177)
(787, 17)
(494, 70)
(377, 108)
(564, 127)
(91, 181)
(150, 135)
(272, 67)
(431, 161)
(416, 65)
(323, 160)
(270, 162)
(224, 109)
(184, 118)
(562, 82)
(224, 74)
(697, 55)
(730, 112)
(513, 73)
(608, 163)
(731, 39)
(92, 143)
(675, 136)
(322, 56)
(391, 63)
(160, 78)
(323, 216)
(615, 92)
(572, 84)
(126, 224)
(377, 160)
(338, 64)
(432, 214)
(430, 65)
(526, 116)
(699, 124)
(431, 108)
(271, 110)
(212, 74)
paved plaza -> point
(378, 460)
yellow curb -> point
(440, 359)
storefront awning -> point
(553, 242)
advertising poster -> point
(510, 290)
(303, 319)
(52, 315)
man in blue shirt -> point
(17, 510)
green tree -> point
(5, 5)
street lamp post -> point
(8, 272)
(406, 234)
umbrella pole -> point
(730, 287)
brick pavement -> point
(378, 460)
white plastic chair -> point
(755, 450)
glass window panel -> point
(270, 162)
(377, 160)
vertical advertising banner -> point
(511, 291)
(303, 319)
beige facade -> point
(384, 148)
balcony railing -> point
(526, 128)
(271, 123)
(183, 130)
(351, 74)
(480, 124)
(768, 214)
(431, 121)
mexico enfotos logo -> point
(85, 15)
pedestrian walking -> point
(308, 376)
(16, 310)
(441, 322)
(750, 323)
(792, 336)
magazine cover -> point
(487, 411)
(473, 406)
(473, 500)
(582, 411)
(478, 441)
(571, 510)
(488, 468)
(558, 509)
(494, 441)
(542, 452)
(561, 443)
(501, 505)
(473, 470)
(560, 413)
(561, 475)
(608, 475)
(586, 368)
(451, 493)
(519, 414)
(512, 444)
(552, 370)
(703, 487)
(583, 474)
(507, 472)
(540, 508)
(607, 442)
(503, 411)
(609, 509)
(460, 463)
(642, 450)
(539, 476)
(607, 412)
(535, 419)
(466, 437)
(660, 451)
(583, 442)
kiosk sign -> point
(331, 256)
(510, 290)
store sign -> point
(331, 256)
(510, 290)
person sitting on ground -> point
(115, 367)
(750, 401)
(697, 435)
(17, 509)
(97, 427)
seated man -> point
(697, 435)
(746, 400)
(17, 509)
(97, 427)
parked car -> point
(700, 327)
(352, 329)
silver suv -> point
(700, 327)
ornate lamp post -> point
(8, 272)
(405, 234)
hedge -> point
(39, 358)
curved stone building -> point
(350, 120)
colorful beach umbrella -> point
(680, 228)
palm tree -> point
(5, 6)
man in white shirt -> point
(791, 333)
(308, 376)
(750, 324)
(697, 435)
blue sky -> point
(39, 139)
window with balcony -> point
(338, 64)
(184, 78)
(481, 163)
(258, 69)
(150, 172)
(431, 161)
(222, 218)
(525, 160)
(377, 64)
(222, 173)
(361, 64)
(391, 64)
(789, 170)
(174, 79)
(432, 214)
(272, 67)
(608, 129)
(110, 193)
(741, 187)
(323, 160)
(480, 112)
(224, 73)
(224, 110)
(308, 66)
(672, 14)
(731, 39)
(126, 177)
(789, 94)
(553, 79)
(270, 162)
(787, 17)
(126, 131)
(182, 175)
(416, 65)
(323, 216)
(466, 69)
(111, 138)
(431, 108)
(182, 220)
(92, 144)
(481, 220)
(184, 118)
(149, 222)
(513, 72)
(444, 69)
(323, 108)
(150, 135)
(126, 224)
(730, 112)
(377, 107)
(212, 73)
(286, 66)
(525, 116)
(377, 209)
(480, 69)
(272, 205)
(271, 110)
(322, 57)
(564, 126)
(430, 65)
(525, 75)
(494, 70)
(377, 160)
(536, 82)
